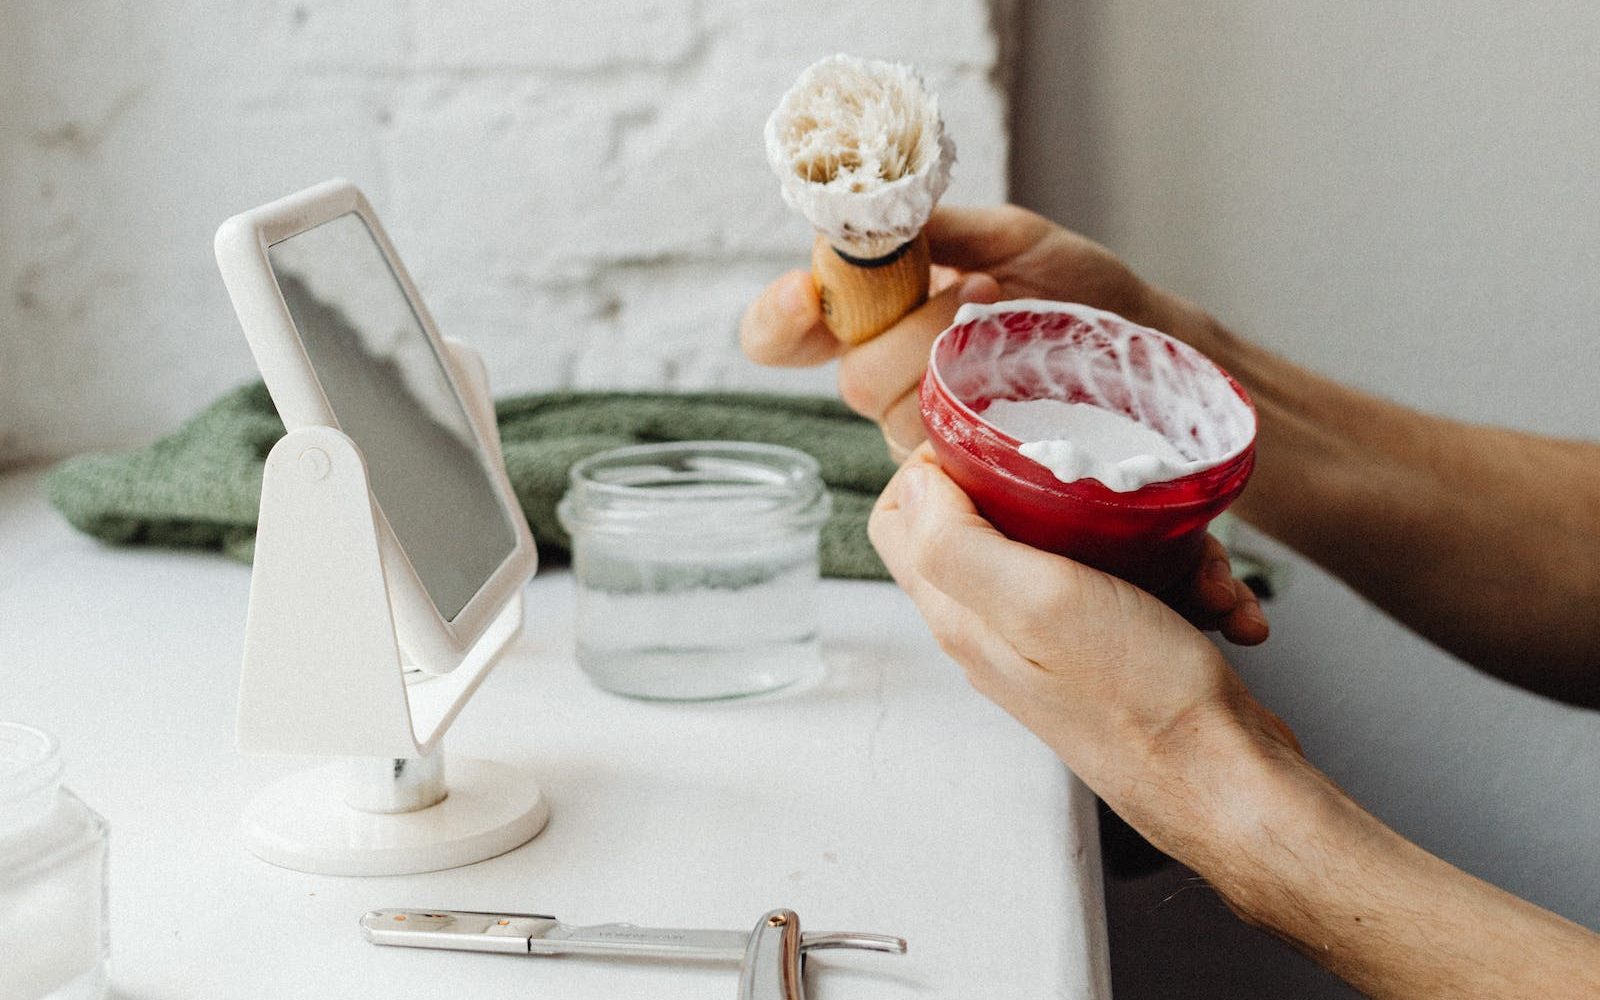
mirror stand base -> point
(303, 822)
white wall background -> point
(579, 186)
(1404, 195)
(1401, 194)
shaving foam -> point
(1081, 441)
(1094, 396)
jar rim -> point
(30, 760)
(756, 484)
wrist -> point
(1220, 787)
(1267, 828)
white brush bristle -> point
(860, 150)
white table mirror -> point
(390, 555)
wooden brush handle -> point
(861, 299)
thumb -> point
(954, 549)
(876, 375)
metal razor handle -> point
(771, 969)
(775, 957)
(771, 956)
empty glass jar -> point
(696, 566)
(53, 942)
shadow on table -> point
(1171, 935)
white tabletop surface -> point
(887, 797)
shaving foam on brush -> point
(861, 152)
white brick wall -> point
(578, 186)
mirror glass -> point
(389, 392)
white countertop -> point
(887, 797)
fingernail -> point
(977, 288)
(913, 481)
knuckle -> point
(1041, 614)
(1016, 217)
(985, 682)
(1065, 584)
(956, 642)
(933, 561)
(877, 529)
(880, 508)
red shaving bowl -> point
(1152, 536)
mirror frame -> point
(427, 639)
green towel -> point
(200, 486)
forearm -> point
(1294, 855)
(1147, 712)
(1483, 540)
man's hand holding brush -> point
(979, 255)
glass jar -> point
(53, 940)
(696, 567)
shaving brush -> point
(860, 151)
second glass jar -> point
(696, 566)
(52, 877)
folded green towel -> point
(200, 486)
